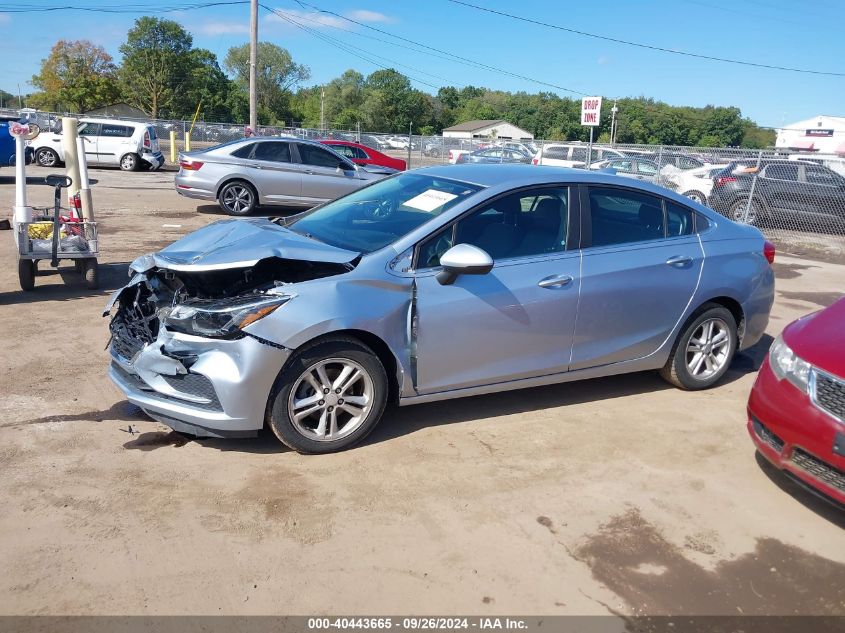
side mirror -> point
(463, 259)
(344, 166)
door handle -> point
(679, 261)
(310, 172)
(256, 166)
(555, 281)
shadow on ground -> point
(72, 286)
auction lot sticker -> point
(430, 200)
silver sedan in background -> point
(270, 171)
(435, 283)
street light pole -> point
(613, 111)
(253, 65)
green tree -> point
(75, 76)
(276, 74)
(207, 88)
(157, 64)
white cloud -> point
(310, 19)
(221, 28)
(317, 19)
(363, 15)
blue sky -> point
(797, 33)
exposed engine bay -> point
(151, 297)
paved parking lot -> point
(613, 495)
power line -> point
(337, 44)
(453, 56)
(646, 46)
(119, 8)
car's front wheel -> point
(704, 350)
(328, 397)
(237, 198)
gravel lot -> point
(614, 495)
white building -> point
(488, 129)
(822, 134)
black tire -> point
(79, 266)
(677, 372)
(46, 157)
(697, 196)
(340, 348)
(26, 274)
(756, 212)
(237, 198)
(435, 153)
(90, 267)
(129, 162)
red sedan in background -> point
(796, 411)
(363, 155)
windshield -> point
(371, 218)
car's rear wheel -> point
(237, 198)
(129, 162)
(704, 350)
(745, 212)
(46, 157)
(328, 397)
(696, 196)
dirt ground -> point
(614, 495)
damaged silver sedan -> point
(433, 284)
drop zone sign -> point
(590, 110)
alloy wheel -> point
(708, 348)
(237, 199)
(331, 399)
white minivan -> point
(108, 142)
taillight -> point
(535, 161)
(723, 180)
(451, 156)
(769, 251)
(147, 142)
(190, 165)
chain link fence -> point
(796, 198)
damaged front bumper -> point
(204, 387)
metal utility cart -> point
(53, 235)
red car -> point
(363, 155)
(796, 411)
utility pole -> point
(613, 111)
(253, 65)
(20, 100)
(322, 110)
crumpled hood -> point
(243, 243)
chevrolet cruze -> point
(431, 284)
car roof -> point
(515, 175)
(113, 121)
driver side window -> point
(523, 224)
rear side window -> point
(647, 169)
(621, 216)
(556, 153)
(679, 220)
(120, 131)
(317, 156)
(782, 171)
(244, 152)
(821, 176)
(276, 151)
(345, 150)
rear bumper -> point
(206, 387)
(191, 188)
(155, 159)
(795, 436)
